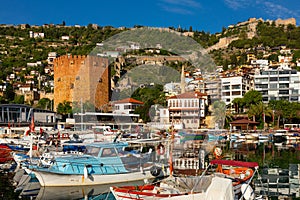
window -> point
(273, 72)
(283, 92)
(109, 152)
(283, 85)
(236, 93)
(236, 87)
(261, 86)
(294, 98)
(93, 151)
(273, 85)
(273, 78)
(226, 87)
(284, 79)
(264, 92)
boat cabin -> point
(105, 130)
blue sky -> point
(206, 15)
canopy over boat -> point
(235, 163)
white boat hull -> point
(77, 192)
(52, 179)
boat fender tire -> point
(155, 171)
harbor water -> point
(278, 175)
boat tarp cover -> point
(234, 163)
(219, 189)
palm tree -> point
(279, 107)
(259, 111)
(238, 104)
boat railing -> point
(186, 163)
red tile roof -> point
(243, 121)
(188, 95)
(128, 100)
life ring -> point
(218, 152)
(160, 149)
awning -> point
(234, 163)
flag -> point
(27, 132)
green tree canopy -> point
(64, 108)
(44, 103)
(149, 95)
(252, 97)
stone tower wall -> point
(81, 79)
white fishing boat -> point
(103, 163)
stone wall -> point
(81, 79)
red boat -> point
(5, 153)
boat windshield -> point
(109, 152)
(93, 151)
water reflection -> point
(278, 163)
(73, 192)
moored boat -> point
(5, 153)
(225, 182)
(102, 163)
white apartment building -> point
(233, 87)
(278, 84)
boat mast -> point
(171, 150)
(31, 131)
